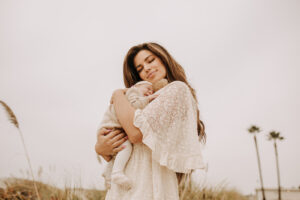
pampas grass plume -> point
(12, 117)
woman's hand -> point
(109, 142)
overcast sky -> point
(61, 60)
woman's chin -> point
(155, 79)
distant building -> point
(272, 194)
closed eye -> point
(139, 69)
(151, 60)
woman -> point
(165, 134)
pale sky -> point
(61, 60)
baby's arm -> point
(109, 119)
(152, 97)
(140, 102)
(135, 98)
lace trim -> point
(176, 162)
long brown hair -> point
(175, 72)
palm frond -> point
(273, 135)
(281, 138)
(254, 129)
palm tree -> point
(254, 130)
(273, 135)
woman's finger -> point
(104, 131)
(119, 142)
(112, 134)
(107, 131)
(118, 149)
(118, 137)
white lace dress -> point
(170, 144)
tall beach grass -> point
(14, 188)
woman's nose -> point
(147, 67)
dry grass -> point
(23, 189)
(193, 192)
(13, 119)
(189, 190)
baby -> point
(139, 96)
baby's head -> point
(144, 87)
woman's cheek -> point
(143, 76)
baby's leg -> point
(121, 160)
(107, 173)
(122, 157)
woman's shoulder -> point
(178, 85)
(182, 90)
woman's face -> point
(149, 66)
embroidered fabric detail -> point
(169, 128)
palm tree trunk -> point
(260, 171)
(278, 175)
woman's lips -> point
(151, 74)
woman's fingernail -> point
(123, 146)
(126, 137)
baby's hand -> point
(152, 97)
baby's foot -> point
(107, 184)
(107, 180)
(122, 180)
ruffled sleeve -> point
(169, 128)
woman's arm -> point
(125, 114)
